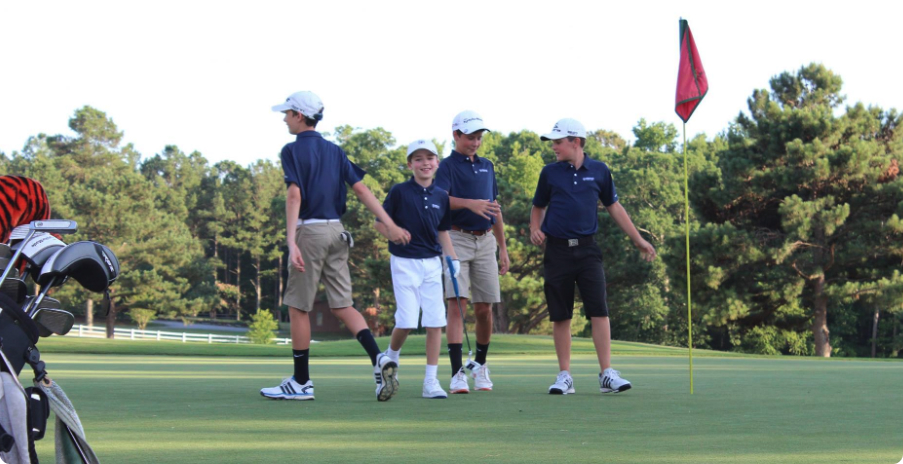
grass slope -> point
(151, 409)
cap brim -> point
(282, 107)
(552, 136)
(472, 130)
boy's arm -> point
(381, 228)
(537, 214)
(498, 229)
(292, 210)
(623, 221)
(395, 234)
(485, 208)
(449, 250)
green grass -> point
(501, 345)
(150, 409)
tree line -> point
(795, 230)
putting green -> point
(151, 409)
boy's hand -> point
(456, 268)
(646, 250)
(537, 237)
(294, 257)
(485, 208)
(399, 236)
(504, 263)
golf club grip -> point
(451, 273)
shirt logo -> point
(435, 206)
(484, 170)
(587, 179)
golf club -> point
(50, 226)
(451, 273)
(53, 321)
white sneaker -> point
(610, 381)
(432, 389)
(459, 383)
(290, 390)
(564, 385)
(480, 374)
(384, 373)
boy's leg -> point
(300, 330)
(465, 247)
(398, 338)
(485, 290)
(561, 332)
(602, 341)
(433, 345)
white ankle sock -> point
(431, 371)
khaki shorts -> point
(325, 257)
(479, 278)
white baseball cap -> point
(422, 145)
(566, 127)
(468, 122)
(306, 103)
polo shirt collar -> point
(308, 134)
(414, 184)
(464, 158)
(586, 161)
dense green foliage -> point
(795, 225)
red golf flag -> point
(692, 84)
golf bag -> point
(24, 319)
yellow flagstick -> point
(687, 221)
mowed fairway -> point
(153, 409)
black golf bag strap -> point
(38, 412)
(7, 441)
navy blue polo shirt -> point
(473, 180)
(572, 196)
(421, 211)
(320, 169)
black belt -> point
(571, 242)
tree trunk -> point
(875, 332)
(500, 317)
(820, 322)
(111, 319)
(279, 283)
(238, 287)
(89, 312)
(257, 286)
(896, 351)
(215, 277)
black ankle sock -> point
(365, 337)
(481, 353)
(302, 374)
(454, 355)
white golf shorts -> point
(418, 285)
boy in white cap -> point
(422, 210)
(316, 172)
(477, 232)
(564, 216)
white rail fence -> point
(88, 331)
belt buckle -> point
(572, 242)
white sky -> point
(203, 75)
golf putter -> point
(458, 300)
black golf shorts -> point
(566, 266)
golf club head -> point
(37, 251)
(54, 226)
(52, 321)
(14, 287)
(91, 264)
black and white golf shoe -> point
(610, 381)
(564, 384)
(384, 373)
(290, 390)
